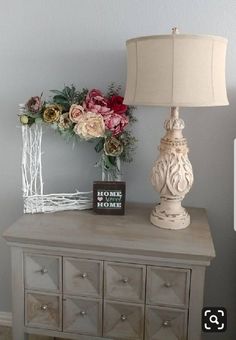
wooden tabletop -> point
(131, 233)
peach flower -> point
(75, 112)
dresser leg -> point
(18, 308)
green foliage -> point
(99, 146)
(113, 90)
(81, 95)
(68, 96)
(129, 142)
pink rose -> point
(75, 112)
(97, 103)
(34, 104)
(116, 123)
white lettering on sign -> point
(108, 205)
(110, 199)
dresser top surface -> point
(131, 233)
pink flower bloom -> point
(75, 112)
(97, 103)
(116, 123)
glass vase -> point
(111, 175)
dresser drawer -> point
(82, 277)
(124, 281)
(168, 286)
(165, 323)
(42, 272)
(82, 315)
(123, 321)
(43, 311)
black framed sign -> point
(109, 198)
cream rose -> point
(90, 125)
(75, 112)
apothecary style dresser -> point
(77, 275)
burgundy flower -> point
(116, 104)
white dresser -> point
(77, 275)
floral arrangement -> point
(88, 115)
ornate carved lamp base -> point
(170, 218)
(172, 176)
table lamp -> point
(175, 70)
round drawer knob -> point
(84, 275)
(123, 317)
(44, 271)
(125, 280)
(166, 323)
(44, 308)
(83, 313)
(167, 284)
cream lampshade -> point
(175, 70)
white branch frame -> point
(35, 201)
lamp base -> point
(166, 219)
(172, 176)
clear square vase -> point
(113, 174)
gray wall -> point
(46, 43)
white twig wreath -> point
(87, 115)
(35, 201)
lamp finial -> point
(175, 30)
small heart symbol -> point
(100, 199)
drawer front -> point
(43, 272)
(123, 321)
(83, 316)
(124, 282)
(82, 277)
(165, 323)
(168, 286)
(43, 311)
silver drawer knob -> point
(83, 313)
(44, 307)
(125, 280)
(166, 323)
(167, 284)
(123, 317)
(84, 275)
(44, 271)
